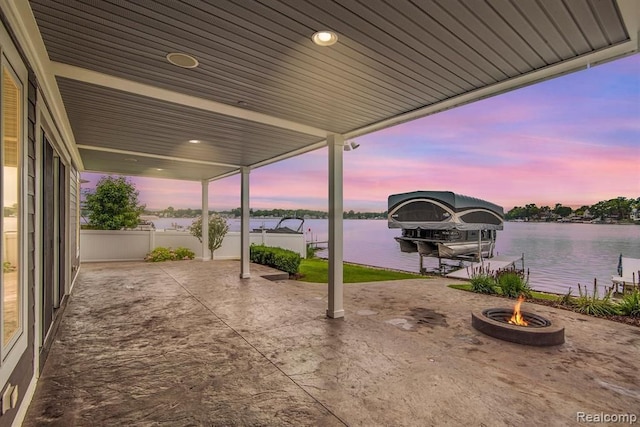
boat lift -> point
(445, 225)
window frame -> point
(11, 353)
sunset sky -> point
(573, 140)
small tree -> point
(218, 228)
(114, 204)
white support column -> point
(335, 144)
(244, 227)
(206, 256)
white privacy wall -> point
(108, 245)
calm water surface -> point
(558, 256)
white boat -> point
(287, 225)
(444, 224)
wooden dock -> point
(318, 244)
(496, 263)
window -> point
(421, 211)
(481, 217)
(13, 223)
(11, 194)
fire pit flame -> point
(517, 318)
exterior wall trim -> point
(26, 402)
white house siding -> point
(23, 374)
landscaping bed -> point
(555, 301)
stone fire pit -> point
(538, 331)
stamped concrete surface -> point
(189, 343)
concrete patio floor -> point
(190, 343)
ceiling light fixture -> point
(182, 60)
(324, 38)
(159, 169)
(195, 141)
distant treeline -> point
(620, 208)
(171, 212)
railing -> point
(112, 245)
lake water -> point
(558, 256)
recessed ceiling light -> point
(195, 141)
(159, 169)
(130, 159)
(324, 38)
(182, 60)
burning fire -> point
(517, 318)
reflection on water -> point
(559, 256)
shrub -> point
(282, 259)
(566, 299)
(630, 304)
(184, 253)
(160, 254)
(513, 285)
(593, 304)
(483, 284)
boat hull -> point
(407, 246)
(462, 249)
(444, 249)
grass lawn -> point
(317, 271)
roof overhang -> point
(264, 92)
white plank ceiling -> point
(264, 91)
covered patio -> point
(191, 343)
(202, 91)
